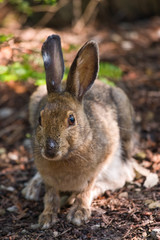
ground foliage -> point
(132, 212)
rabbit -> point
(82, 133)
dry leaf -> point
(151, 180)
(155, 204)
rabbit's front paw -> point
(47, 220)
(78, 215)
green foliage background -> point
(25, 6)
(31, 68)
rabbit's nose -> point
(50, 147)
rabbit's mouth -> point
(55, 157)
(59, 156)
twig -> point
(90, 9)
(133, 227)
(16, 135)
(155, 223)
(51, 10)
(107, 222)
(7, 130)
(44, 8)
(39, 236)
(77, 11)
(64, 232)
(14, 117)
(23, 50)
(127, 233)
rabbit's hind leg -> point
(33, 188)
(113, 175)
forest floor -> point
(132, 212)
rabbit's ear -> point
(53, 63)
(83, 70)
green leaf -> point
(3, 69)
(21, 71)
(109, 70)
(50, 2)
(66, 73)
(39, 82)
(28, 135)
(25, 8)
(8, 77)
(108, 82)
(22, 6)
(5, 38)
(38, 75)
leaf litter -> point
(132, 212)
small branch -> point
(90, 9)
(50, 11)
(133, 227)
(64, 232)
(44, 8)
(77, 11)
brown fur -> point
(103, 122)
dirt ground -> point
(132, 212)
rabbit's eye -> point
(71, 120)
(39, 120)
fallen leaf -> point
(151, 180)
(153, 205)
(123, 195)
(12, 209)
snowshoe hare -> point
(82, 133)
